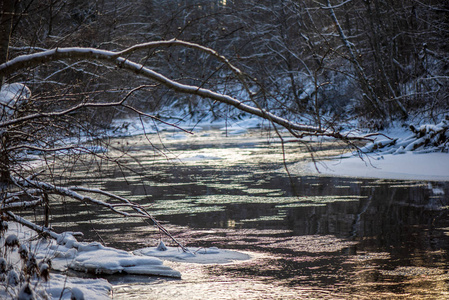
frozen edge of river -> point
(93, 258)
(407, 166)
(196, 255)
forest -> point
(70, 69)
(375, 61)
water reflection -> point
(316, 237)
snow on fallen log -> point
(423, 139)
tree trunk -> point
(6, 19)
(371, 96)
(4, 159)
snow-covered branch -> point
(27, 223)
(21, 205)
(36, 59)
(73, 192)
(50, 188)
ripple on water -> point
(330, 238)
(203, 282)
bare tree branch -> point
(36, 59)
(72, 192)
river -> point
(309, 236)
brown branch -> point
(37, 59)
(71, 192)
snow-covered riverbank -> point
(408, 166)
(408, 153)
(25, 264)
(391, 162)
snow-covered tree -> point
(49, 123)
(62, 82)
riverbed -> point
(308, 236)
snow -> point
(57, 287)
(398, 157)
(408, 166)
(404, 155)
(242, 127)
(68, 254)
(199, 157)
(14, 92)
(78, 288)
(98, 259)
(210, 255)
(13, 95)
(104, 260)
(178, 136)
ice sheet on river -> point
(409, 166)
(211, 255)
(98, 259)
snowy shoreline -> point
(399, 153)
(391, 162)
(66, 253)
(407, 166)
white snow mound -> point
(211, 255)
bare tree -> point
(385, 42)
(299, 42)
(25, 118)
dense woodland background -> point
(314, 67)
(376, 61)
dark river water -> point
(308, 236)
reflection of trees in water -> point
(404, 217)
(337, 234)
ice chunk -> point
(161, 246)
(95, 258)
(211, 255)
